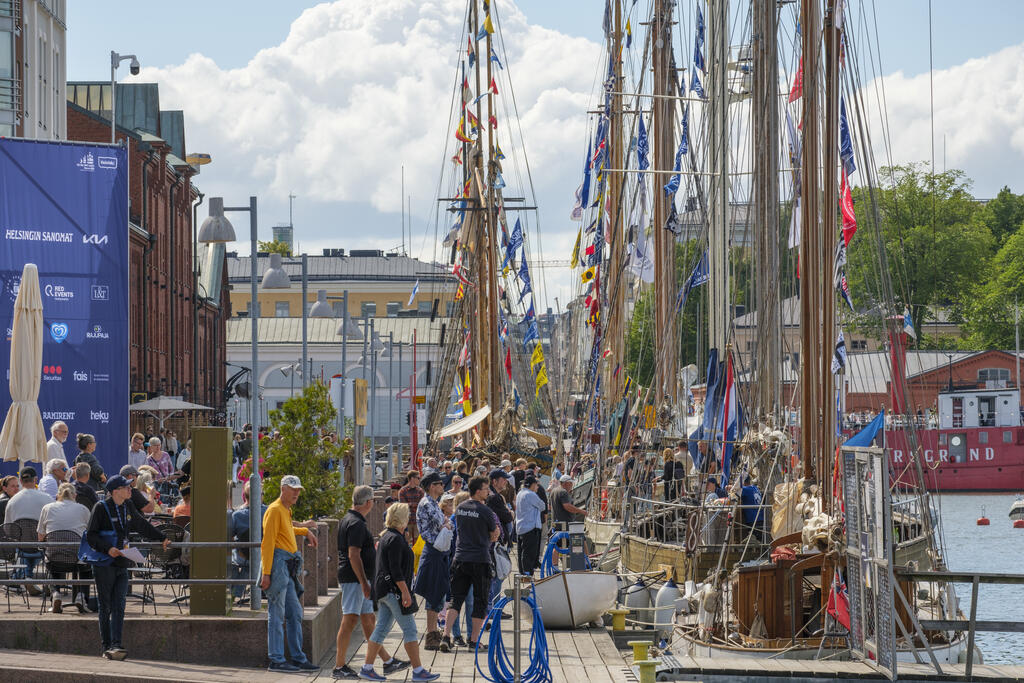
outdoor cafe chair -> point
(11, 533)
(62, 560)
(170, 560)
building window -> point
(281, 309)
(424, 307)
(859, 344)
(368, 309)
(449, 308)
(993, 375)
(393, 308)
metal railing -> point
(712, 526)
(971, 625)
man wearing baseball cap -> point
(282, 570)
(109, 524)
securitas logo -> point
(101, 416)
(97, 333)
(58, 293)
(95, 239)
(80, 376)
(52, 373)
(59, 332)
(87, 163)
(65, 415)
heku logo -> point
(52, 373)
(87, 162)
(58, 293)
(99, 292)
(95, 239)
(80, 376)
(101, 416)
(109, 163)
(66, 415)
(59, 332)
(97, 333)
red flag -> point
(846, 206)
(508, 362)
(494, 86)
(838, 605)
(798, 83)
(493, 121)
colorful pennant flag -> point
(588, 274)
(629, 34)
(575, 260)
(415, 291)
(537, 356)
(494, 86)
(797, 90)
(508, 362)
(470, 51)
(845, 140)
(542, 377)
(839, 355)
(846, 208)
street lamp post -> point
(216, 228)
(115, 61)
(391, 406)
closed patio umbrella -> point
(22, 437)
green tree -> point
(989, 312)
(1004, 214)
(276, 247)
(935, 243)
(302, 452)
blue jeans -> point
(495, 591)
(111, 590)
(30, 558)
(389, 610)
(468, 607)
(284, 611)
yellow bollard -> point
(646, 667)
(639, 649)
(618, 619)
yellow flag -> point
(460, 292)
(537, 357)
(488, 26)
(576, 250)
(588, 274)
(542, 377)
(467, 405)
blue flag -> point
(845, 140)
(524, 277)
(494, 58)
(698, 54)
(696, 87)
(643, 148)
(531, 333)
(684, 145)
(514, 242)
(698, 277)
(865, 436)
(585, 192)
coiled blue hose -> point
(499, 664)
(547, 563)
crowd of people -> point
(449, 532)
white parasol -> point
(23, 437)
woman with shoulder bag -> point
(391, 579)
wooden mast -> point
(661, 159)
(615, 278)
(829, 213)
(765, 112)
(719, 308)
(489, 321)
(810, 309)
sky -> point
(328, 101)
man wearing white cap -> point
(282, 572)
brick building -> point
(177, 330)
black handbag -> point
(413, 607)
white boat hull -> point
(574, 599)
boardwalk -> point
(583, 655)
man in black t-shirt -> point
(476, 528)
(561, 503)
(139, 499)
(356, 563)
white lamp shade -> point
(349, 328)
(275, 277)
(216, 228)
(321, 309)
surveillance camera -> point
(134, 67)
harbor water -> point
(994, 548)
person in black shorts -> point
(477, 528)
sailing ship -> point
(755, 588)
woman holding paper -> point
(105, 548)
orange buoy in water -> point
(983, 521)
(1018, 524)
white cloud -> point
(979, 106)
(360, 88)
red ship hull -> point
(973, 459)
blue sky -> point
(262, 116)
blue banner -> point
(64, 207)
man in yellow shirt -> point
(282, 578)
